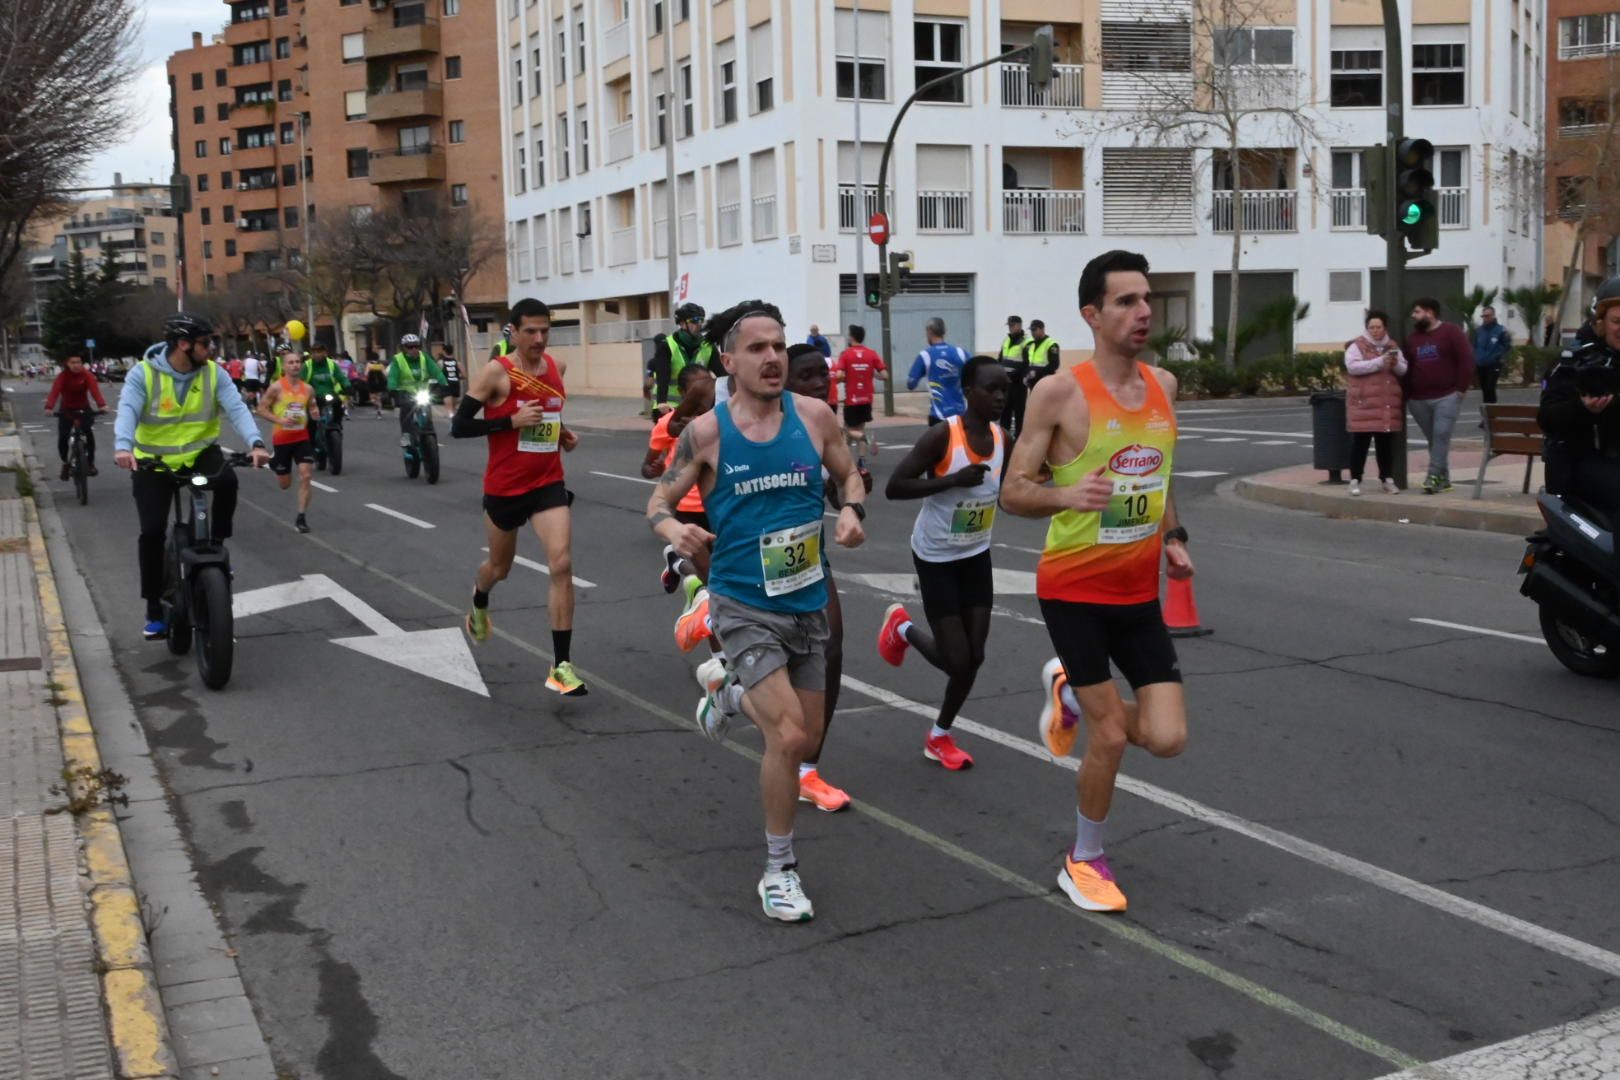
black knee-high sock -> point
(560, 642)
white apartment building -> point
(1001, 192)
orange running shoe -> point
(1059, 724)
(820, 794)
(1090, 883)
(693, 625)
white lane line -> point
(1015, 547)
(1197, 474)
(620, 476)
(1478, 914)
(1242, 431)
(546, 570)
(1226, 440)
(323, 487)
(1480, 630)
(1561, 1051)
(1275, 442)
(1186, 438)
(418, 522)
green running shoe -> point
(478, 624)
(564, 680)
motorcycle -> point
(328, 448)
(422, 444)
(1572, 571)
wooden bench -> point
(1510, 429)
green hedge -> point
(1299, 373)
(1530, 363)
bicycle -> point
(197, 576)
(422, 450)
(328, 445)
(78, 459)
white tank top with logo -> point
(955, 523)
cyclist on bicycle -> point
(411, 370)
(74, 387)
(169, 412)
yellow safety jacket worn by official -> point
(172, 429)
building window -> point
(1254, 46)
(579, 36)
(224, 183)
(1439, 74)
(289, 175)
(354, 48)
(202, 183)
(458, 131)
(658, 16)
(157, 238)
(660, 111)
(1578, 116)
(225, 145)
(559, 34)
(208, 283)
(208, 245)
(207, 218)
(281, 7)
(200, 149)
(1344, 286)
(284, 90)
(359, 163)
(536, 71)
(520, 170)
(228, 214)
(458, 194)
(869, 70)
(584, 126)
(452, 67)
(562, 146)
(354, 105)
(230, 248)
(222, 111)
(725, 57)
(1357, 79)
(539, 161)
(196, 80)
(1588, 35)
(452, 7)
(160, 262)
(939, 50)
(219, 77)
(688, 111)
(286, 132)
(517, 78)
(761, 70)
(1571, 196)
(283, 49)
(199, 115)
(289, 217)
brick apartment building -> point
(336, 107)
(1583, 90)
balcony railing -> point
(944, 211)
(1584, 52)
(1067, 90)
(422, 37)
(660, 234)
(852, 217)
(587, 253)
(617, 333)
(1263, 211)
(1453, 204)
(404, 103)
(622, 246)
(1036, 212)
(1349, 209)
(407, 164)
(1579, 131)
(621, 141)
(616, 43)
(730, 224)
(689, 233)
(764, 217)
(566, 255)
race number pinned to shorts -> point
(1140, 488)
(790, 559)
(972, 521)
(542, 438)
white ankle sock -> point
(938, 732)
(805, 769)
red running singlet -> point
(523, 459)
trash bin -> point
(1330, 436)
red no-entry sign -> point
(878, 228)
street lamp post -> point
(1395, 240)
(303, 215)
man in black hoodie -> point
(1580, 416)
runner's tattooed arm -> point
(682, 475)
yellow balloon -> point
(295, 330)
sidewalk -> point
(77, 994)
(1502, 506)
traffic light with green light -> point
(1416, 214)
(873, 289)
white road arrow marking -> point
(441, 654)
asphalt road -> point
(1387, 842)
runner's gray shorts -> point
(759, 642)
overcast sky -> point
(146, 154)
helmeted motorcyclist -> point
(1579, 413)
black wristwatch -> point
(1177, 533)
(859, 508)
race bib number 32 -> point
(790, 559)
(542, 438)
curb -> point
(137, 1028)
(1407, 509)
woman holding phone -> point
(1374, 403)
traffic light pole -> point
(882, 203)
(1395, 240)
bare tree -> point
(64, 68)
(340, 268)
(421, 258)
(1224, 80)
(1581, 167)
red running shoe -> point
(945, 751)
(891, 646)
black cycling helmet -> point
(689, 312)
(1607, 295)
(184, 325)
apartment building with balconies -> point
(339, 107)
(1583, 95)
(1000, 190)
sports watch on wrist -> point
(1177, 533)
(859, 508)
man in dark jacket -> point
(1580, 417)
(1440, 369)
(672, 352)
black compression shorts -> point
(283, 456)
(952, 588)
(509, 512)
(1133, 636)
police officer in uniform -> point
(1580, 412)
(1014, 356)
(674, 351)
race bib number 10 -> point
(790, 559)
(1135, 510)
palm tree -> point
(1468, 304)
(1533, 302)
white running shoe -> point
(713, 717)
(1355, 487)
(1390, 488)
(782, 896)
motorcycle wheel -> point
(1578, 652)
(413, 464)
(216, 629)
(334, 452)
(430, 457)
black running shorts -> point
(699, 518)
(1133, 636)
(954, 587)
(510, 512)
(285, 455)
(858, 415)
